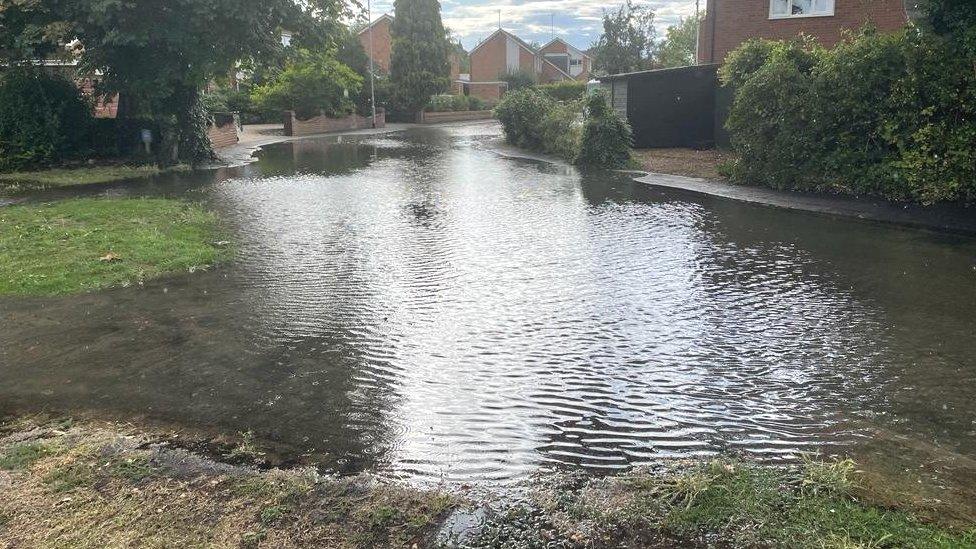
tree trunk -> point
(192, 122)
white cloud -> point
(576, 21)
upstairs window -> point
(781, 9)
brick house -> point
(729, 23)
(569, 60)
(504, 53)
(382, 38)
(382, 46)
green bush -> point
(521, 113)
(43, 119)
(891, 115)
(454, 103)
(606, 138)
(595, 137)
(518, 79)
(562, 128)
(567, 90)
(316, 83)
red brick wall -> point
(223, 136)
(436, 117)
(382, 43)
(487, 91)
(736, 21)
(323, 124)
(488, 61)
(526, 60)
(551, 74)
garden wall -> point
(324, 124)
(223, 131)
(424, 117)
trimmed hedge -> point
(889, 115)
(455, 103)
(44, 119)
(566, 90)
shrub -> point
(518, 79)
(562, 128)
(454, 103)
(43, 119)
(606, 138)
(566, 90)
(316, 83)
(892, 115)
(521, 113)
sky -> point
(579, 22)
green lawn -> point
(63, 177)
(85, 244)
(724, 503)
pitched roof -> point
(568, 46)
(518, 40)
(560, 71)
(375, 21)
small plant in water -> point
(247, 449)
(828, 478)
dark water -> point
(420, 306)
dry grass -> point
(90, 486)
(706, 164)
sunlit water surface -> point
(420, 306)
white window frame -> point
(829, 13)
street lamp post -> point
(372, 87)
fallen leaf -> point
(111, 256)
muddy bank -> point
(97, 484)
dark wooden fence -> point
(682, 107)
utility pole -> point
(499, 18)
(698, 24)
(372, 86)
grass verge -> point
(68, 177)
(94, 484)
(85, 244)
(101, 485)
(723, 503)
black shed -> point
(680, 107)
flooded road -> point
(418, 305)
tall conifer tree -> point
(419, 65)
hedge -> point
(889, 115)
(43, 119)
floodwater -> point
(420, 306)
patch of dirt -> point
(705, 164)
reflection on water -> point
(423, 307)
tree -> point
(953, 18)
(316, 84)
(680, 44)
(628, 39)
(419, 64)
(158, 54)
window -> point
(779, 9)
(575, 62)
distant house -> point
(381, 45)
(729, 23)
(503, 53)
(568, 59)
(381, 35)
